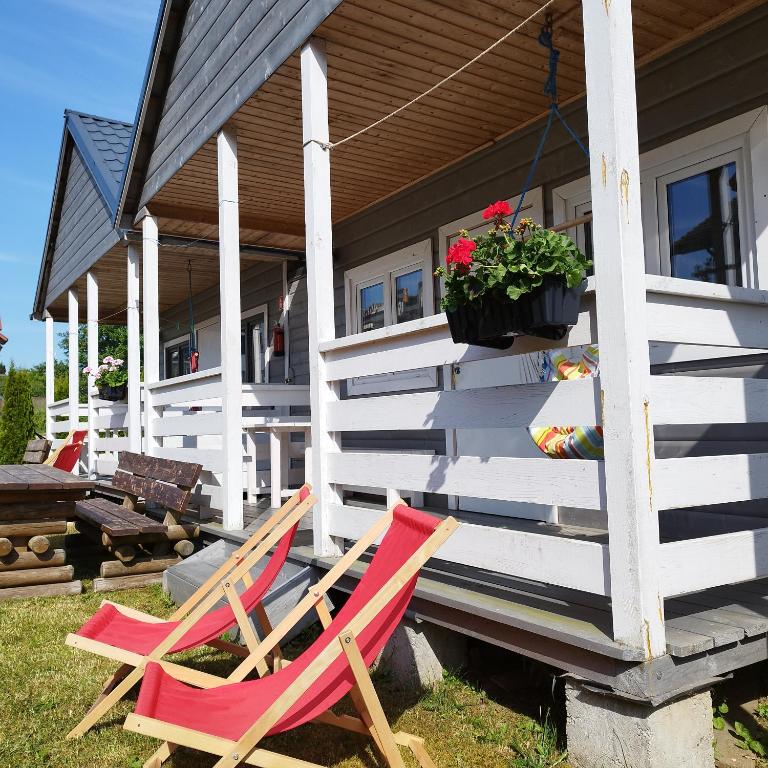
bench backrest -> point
(162, 481)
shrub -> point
(17, 420)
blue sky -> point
(88, 55)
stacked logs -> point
(29, 565)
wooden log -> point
(110, 568)
(38, 497)
(6, 547)
(124, 553)
(42, 590)
(184, 548)
(20, 560)
(126, 582)
(29, 576)
(173, 533)
(32, 527)
(47, 510)
(39, 544)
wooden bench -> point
(142, 546)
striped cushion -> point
(569, 442)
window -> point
(396, 288)
(698, 202)
(177, 358)
(254, 352)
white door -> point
(209, 346)
(514, 369)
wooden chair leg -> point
(161, 755)
(371, 701)
(112, 681)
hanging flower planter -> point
(113, 393)
(504, 284)
(110, 378)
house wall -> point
(227, 49)
(85, 230)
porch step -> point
(290, 586)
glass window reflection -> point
(409, 296)
(372, 307)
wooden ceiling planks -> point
(381, 55)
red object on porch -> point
(278, 341)
(110, 626)
(69, 454)
(230, 710)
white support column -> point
(74, 363)
(151, 313)
(50, 374)
(134, 353)
(229, 287)
(633, 525)
(320, 297)
(92, 319)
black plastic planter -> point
(113, 393)
(494, 321)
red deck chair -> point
(230, 719)
(132, 637)
(66, 455)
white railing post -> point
(50, 374)
(633, 525)
(320, 296)
(134, 354)
(92, 319)
(151, 313)
(73, 306)
(229, 288)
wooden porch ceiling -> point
(381, 55)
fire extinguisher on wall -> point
(278, 341)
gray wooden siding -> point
(85, 230)
(227, 50)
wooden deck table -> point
(35, 502)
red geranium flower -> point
(497, 210)
(460, 253)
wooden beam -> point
(151, 314)
(92, 319)
(320, 295)
(208, 216)
(49, 374)
(229, 288)
(637, 600)
(134, 353)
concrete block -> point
(606, 732)
(417, 653)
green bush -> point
(17, 420)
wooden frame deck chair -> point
(230, 719)
(132, 637)
(68, 453)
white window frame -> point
(385, 270)
(744, 138)
(261, 309)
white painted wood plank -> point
(179, 382)
(151, 316)
(320, 294)
(556, 560)
(194, 424)
(637, 607)
(111, 444)
(696, 564)
(92, 338)
(229, 301)
(133, 419)
(51, 409)
(699, 293)
(256, 395)
(708, 400)
(194, 393)
(700, 480)
(105, 466)
(572, 483)
(427, 342)
(74, 360)
(110, 421)
(567, 402)
(210, 458)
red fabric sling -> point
(230, 710)
(70, 453)
(110, 626)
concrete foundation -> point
(417, 653)
(605, 732)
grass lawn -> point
(47, 687)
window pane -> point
(704, 226)
(409, 290)
(372, 307)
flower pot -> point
(113, 393)
(495, 320)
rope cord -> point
(333, 145)
(550, 89)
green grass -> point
(46, 687)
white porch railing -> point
(679, 311)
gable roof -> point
(102, 146)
